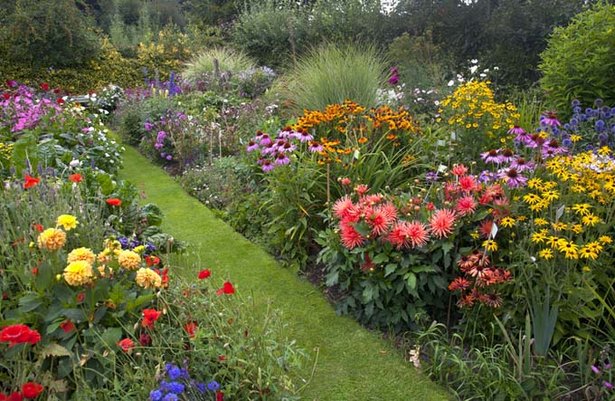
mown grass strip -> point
(353, 363)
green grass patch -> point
(351, 362)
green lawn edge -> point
(353, 363)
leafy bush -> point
(332, 74)
(579, 59)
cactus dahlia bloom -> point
(129, 260)
(147, 278)
(84, 254)
(51, 239)
(78, 273)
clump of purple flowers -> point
(21, 107)
(176, 384)
(162, 131)
(278, 151)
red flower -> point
(35, 271)
(227, 288)
(6, 96)
(16, 396)
(126, 344)
(203, 274)
(222, 358)
(466, 205)
(114, 202)
(31, 390)
(19, 334)
(351, 238)
(38, 227)
(190, 328)
(459, 170)
(152, 260)
(30, 181)
(44, 86)
(80, 297)
(76, 178)
(67, 326)
(145, 339)
(60, 101)
(408, 234)
(149, 317)
(4, 397)
(219, 396)
(345, 181)
(164, 274)
(361, 189)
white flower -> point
(75, 163)
(474, 61)
(451, 82)
(473, 69)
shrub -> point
(579, 59)
(332, 74)
(230, 62)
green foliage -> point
(203, 66)
(48, 34)
(332, 74)
(580, 58)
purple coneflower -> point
(550, 119)
(487, 176)
(521, 165)
(264, 140)
(267, 148)
(513, 178)
(492, 156)
(304, 136)
(267, 166)
(315, 146)
(552, 148)
(507, 155)
(282, 159)
(287, 147)
(252, 146)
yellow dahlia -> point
(78, 273)
(51, 239)
(67, 221)
(84, 254)
(129, 260)
(147, 278)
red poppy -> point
(190, 328)
(31, 389)
(19, 334)
(44, 86)
(164, 275)
(16, 396)
(222, 358)
(67, 326)
(126, 344)
(219, 396)
(227, 288)
(76, 178)
(145, 339)
(203, 274)
(38, 227)
(114, 202)
(3, 397)
(152, 260)
(30, 181)
(149, 317)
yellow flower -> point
(569, 249)
(559, 226)
(129, 260)
(84, 254)
(51, 239)
(546, 254)
(534, 183)
(490, 245)
(67, 221)
(508, 222)
(540, 222)
(582, 208)
(576, 228)
(538, 237)
(147, 278)
(590, 220)
(605, 239)
(588, 252)
(105, 256)
(103, 270)
(586, 269)
(474, 235)
(543, 204)
(78, 273)
(112, 244)
(575, 138)
(550, 195)
(531, 199)
(553, 241)
(139, 249)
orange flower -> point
(114, 202)
(30, 182)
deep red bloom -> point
(31, 389)
(30, 181)
(3, 397)
(19, 334)
(152, 260)
(38, 227)
(16, 396)
(77, 178)
(149, 317)
(44, 86)
(227, 288)
(114, 202)
(67, 326)
(60, 100)
(80, 297)
(145, 339)
(203, 274)
(164, 275)
(190, 328)
(222, 358)
(219, 396)
(6, 96)
(126, 344)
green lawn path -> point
(353, 363)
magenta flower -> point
(282, 159)
(267, 166)
(252, 146)
(550, 119)
(512, 178)
(521, 165)
(492, 156)
(315, 146)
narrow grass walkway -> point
(353, 363)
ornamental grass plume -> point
(78, 273)
(51, 239)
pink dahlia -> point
(441, 223)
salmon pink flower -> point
(442, 222)
(466, 205)
(126, 344)
(408, 234)
(351, 238)
(76, 178)
(459, 170)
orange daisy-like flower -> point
(408, 234)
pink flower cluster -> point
(276, 152)
(22, 108)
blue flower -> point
(170, 397)
(176, 387)
(599, 125)
(213, 385)
(155, 395)
(201, 387)
(174, 372)
(575, 103)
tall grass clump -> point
(331, 74)
(229, 61)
